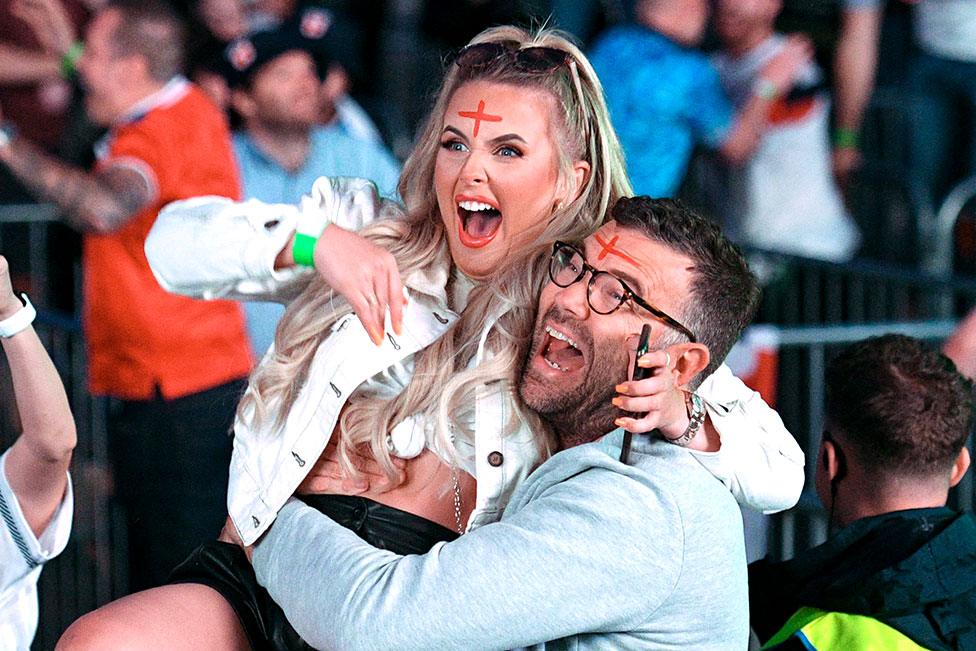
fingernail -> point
(619, 422)
(616, 402)
(644, 362)
(620, 388)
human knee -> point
(96, 631)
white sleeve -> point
(759, 460)
(212, 247)
(20, 550)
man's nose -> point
(573, 299)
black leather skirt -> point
(225, 568)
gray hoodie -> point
(589, 554)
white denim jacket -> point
(210, 247)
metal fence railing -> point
(811, 292)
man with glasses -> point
(590, 552)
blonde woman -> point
(518, 152)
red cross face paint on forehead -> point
(496, 190)
(479, 116)
(609, 248)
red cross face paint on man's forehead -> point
(609, 248)
(479, 116)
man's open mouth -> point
(480, 222)
(560, 352)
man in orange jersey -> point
(173, 367)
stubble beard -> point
(580, 413)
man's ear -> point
(689, 360)
(833, 465)
(959, 467)
(134, 66)
(241, 102)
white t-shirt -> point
(22, 555)
(784, 198)
(947, 28)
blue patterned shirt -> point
(663, 99)
(332, 153)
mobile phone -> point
(640, 373)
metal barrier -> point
(939, 251)
(811, 292)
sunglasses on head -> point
(534, 59)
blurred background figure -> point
(855, 64)
(786, 187)
(942, 85)
(36, 502)
(38, 50)
(212, 26)
(282, 147)
(172, 367)
(665, 97)
(584, 19)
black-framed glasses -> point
(535, 59)
(605, 292)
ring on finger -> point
(667, 361)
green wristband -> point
(845, 138)
(765, 89)
(70, 59)
(303, 250)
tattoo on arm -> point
(99, 202)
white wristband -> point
(20, 320)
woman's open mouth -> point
(479, 222)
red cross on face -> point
(479, 116)
(610, 248)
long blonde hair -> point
(443, 387)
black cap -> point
(311, 31)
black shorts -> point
(225, 568)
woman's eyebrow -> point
(508, 137)
(455, 131)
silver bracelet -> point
(696, 418)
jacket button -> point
(495, 459)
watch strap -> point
(20, 320)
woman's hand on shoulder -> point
(327, 476)
(365, 274)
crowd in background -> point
(376, 62)
(758, 111)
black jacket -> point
(913, 570)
